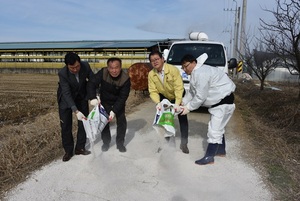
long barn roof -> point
(81, 44)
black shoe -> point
(67, 157)
(121, 148)
(105, 147)
(82, 152)
(205, 160)
(184, 148)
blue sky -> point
(69, 20)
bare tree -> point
(258, 61)
(265, 63)
(283, 34)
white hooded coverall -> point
(208, 86)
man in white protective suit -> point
(212, 88)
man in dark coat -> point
(72, 98)
(113, 85)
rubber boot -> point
(209, 156)
(221, 152)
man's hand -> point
(111, 116)
(185, 110)
(80, 116)
(177, 108)
(158, 106)
(95, 101)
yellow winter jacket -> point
(171, 88)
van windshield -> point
(215, 52)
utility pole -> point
(236, 32)
(236, 29)
(243, 28)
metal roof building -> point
(79, 44)
(50, 54)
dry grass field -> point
(30, 132)
(272, 123)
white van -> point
(197, 45)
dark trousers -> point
(66, 122)
(183, 123)
(121, 127)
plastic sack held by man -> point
(165, 118)
(95, 123)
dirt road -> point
(144, 174)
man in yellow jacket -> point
(165, 82)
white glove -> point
(158, 106)
(111, 116)
(177, 108)
(95, 101)
(185, 110)
(80, 116)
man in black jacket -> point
(113, 85)
(72, 98)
